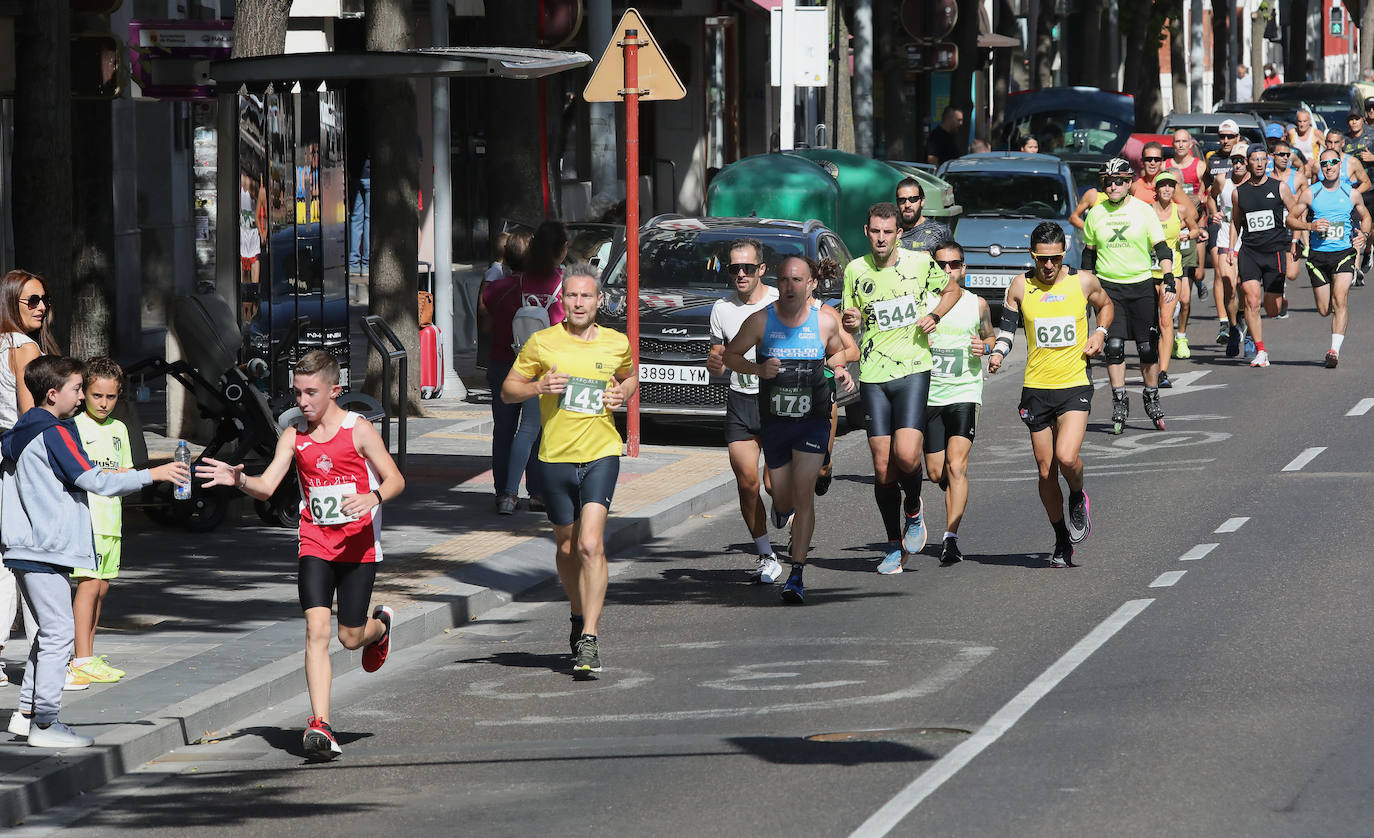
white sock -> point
(1336, 341)
(953, 535)
(763, 546)
(80, 661)
(1182, 335)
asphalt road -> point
(1204, 671)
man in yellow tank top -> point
(1057, 394)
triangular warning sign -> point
(656, 82)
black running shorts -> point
(1136, 310)
(317, 580)
(741, 417)
(1323, 266)
(947, 421)
(1041, 407)
(896, 404)
(1265, 268)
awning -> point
(991, 40)
(490, 62)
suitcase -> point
(431, 363)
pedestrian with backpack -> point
(515, 307)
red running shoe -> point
(375, 654)
(319, 741)
(1332, 359)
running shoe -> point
(768, 571)
(116, 670)
(578, 622)
(1250, 349)
(891, 563)
(781, 520)
(1164, 382)
(1063, 556)
(20, 724)
(58, 737)
(75, 680)
(823, 481)
(4, 679)
(794, 592)
(1233, 343)
(1261, 359)
(588, 656)
(375, 654)
(1283, 309)
(1223, 334)
(914, 530)
(97, 671)
(1079, 520)
(1332, 358)
(950, 553)
(1181, 350)
(318, 740)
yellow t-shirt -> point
(106, 445)
(578, 428)
(1056, 319)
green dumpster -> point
(774, 186)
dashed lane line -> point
(1231, 525)
(895, 810)
(1361, 407)
(1167, 580)
(1198, 551)
(1307, 456)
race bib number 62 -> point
(326, 505)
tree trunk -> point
(42, 157)
(1295, 67)
(514, 170)
(1257, 22)
(394, 253)
(1178, 61)
(1089, 29)
(1366, 34)
(1142, 65)
(260, 27)
(890, 59)
(1045, 46)
(1004, 21)
(843, 90)
(1221, 52)
(92, 327)
(965, 36)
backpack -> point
(528, 319)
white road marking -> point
(1198, 551)
(1231, 525)
(891, 814)
(746, 678)
(1167, 580)
(963, 660)
(1361, 407)
(627, 679)
(1307, 456)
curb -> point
(53, 779)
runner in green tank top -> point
(958, 345)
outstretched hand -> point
(217, 473)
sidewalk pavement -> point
(209, 629)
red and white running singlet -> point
(328, 471)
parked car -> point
(1282, 111)
(1203, 127)
(1071, 119)
(1331, 101)
(682, 267)
(1005, 194)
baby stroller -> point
(244, 425)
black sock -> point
(577, 620)
(588, 637)
(889, 498)
(1075, 495)
(911, 484)
(1061, 532)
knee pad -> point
(1115, 351)
(1147, 351)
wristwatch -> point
(935, 317)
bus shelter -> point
(281, 243)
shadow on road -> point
(787, 750)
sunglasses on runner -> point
(1048, 257)
(916, 200)
(1334, 161)
(1118, 181)
(742, 267)
(950, 263)
(1283, 154)
(1228, 136)
(1152, 159)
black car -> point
(682, 272)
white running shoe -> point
(58, 736)
(1261, 359)
(19, 724)
(769, 571)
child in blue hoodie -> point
(45, 530)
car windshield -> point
(1073, 130)
(993, 192)
(698, 258)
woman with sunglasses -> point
(25, 333)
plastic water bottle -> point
(182, 455)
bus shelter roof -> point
(450, 62)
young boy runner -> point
(46, 532)
(106, 441)
(346, 474)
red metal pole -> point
(631, 94)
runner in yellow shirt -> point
(581, 372)
(1057, 396)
